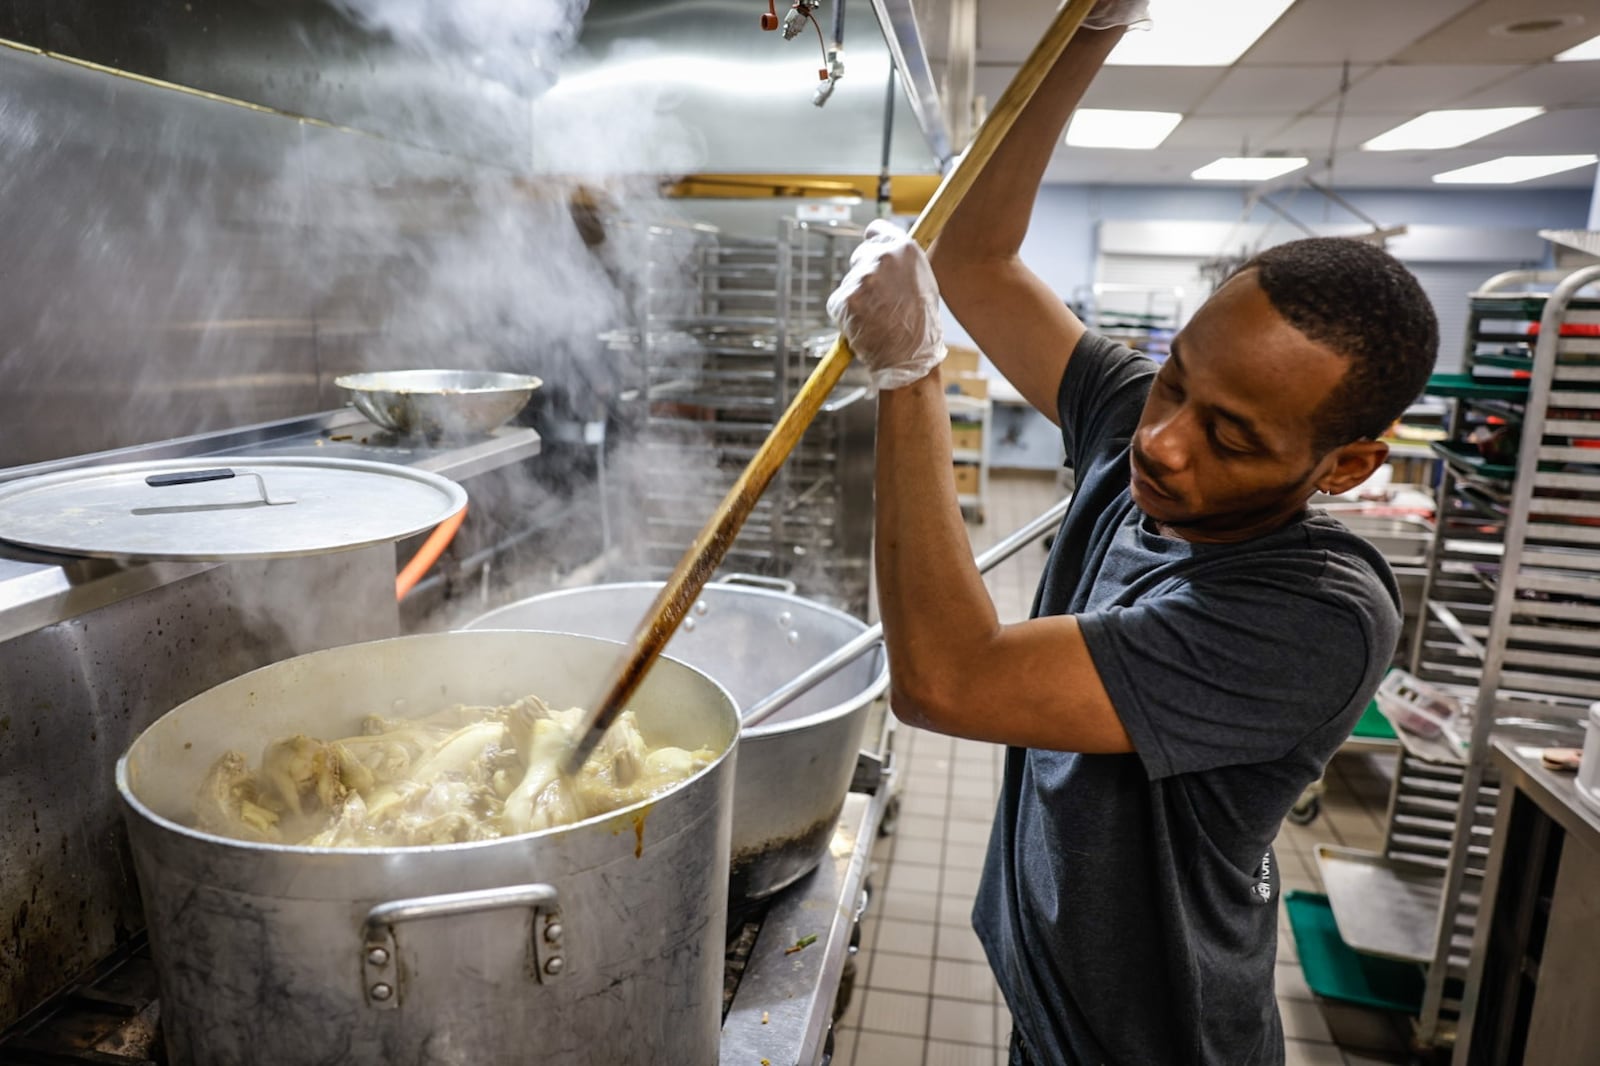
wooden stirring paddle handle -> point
(712, 543)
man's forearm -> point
(992, 218)
(932, 600)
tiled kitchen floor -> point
(924, 995)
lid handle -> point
(220, 473)
(188, 477)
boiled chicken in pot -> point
(466, 773)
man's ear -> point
(1353, 463)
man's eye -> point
(1226, 448)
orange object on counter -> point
(428, 554)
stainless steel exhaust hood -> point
(741, 98)
(747, 96)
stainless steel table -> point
(782, 1012)
(1531, 987)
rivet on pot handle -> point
(380, 972)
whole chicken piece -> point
(299, 769)
(348, 829)
(542, 744)
(229, 803)
(457, 755)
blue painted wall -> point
(1061, 247)
(1061, 239)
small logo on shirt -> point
(1263, 885)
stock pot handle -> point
(760, 581)
(380, 972)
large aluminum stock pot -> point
(597, 942)
(794, 768)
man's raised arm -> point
(1019, 323)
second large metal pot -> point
(795, 768)
(597, 942)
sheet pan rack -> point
(730, 327)
(1511, 619)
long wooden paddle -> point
(709, 547)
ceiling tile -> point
(1007, 29)
(1554, 133)
(1397, 90)
(1133, 88)
(1095, 165)
(1416, 170)
(1407, 56)
(1273, 90)
(1361, 31)
(1314, 133)
(1225, 135)
(1549, 84)
(1152, 88)
(1469, 38)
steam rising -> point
(208, 266)
(512, 30)
(214, 266)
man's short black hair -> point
(1360, 301)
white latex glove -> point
(1108, 14)
(888, 308)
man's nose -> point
(1168, 443)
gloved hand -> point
(1108, 14)
(888, 308)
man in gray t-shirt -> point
(1201, 642)
(1237, 669)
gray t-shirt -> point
(1129, 903)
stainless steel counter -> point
(1555, 793)
(1529, 994)
(783, 1009)
(39, 589)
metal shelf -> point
(729, 329)
(1512, 592)
(1384, 907)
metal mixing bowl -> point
(439, 403)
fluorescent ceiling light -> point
(1589, 49)
(1185, 33)
(1098, 128)
(1513, 168)
(1253, 168)
(1449, 129)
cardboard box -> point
(959, 360)
(967, 385)
(966, 479)
(966, 436)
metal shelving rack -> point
(730, 328)
(1512, 618)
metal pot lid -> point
(200, 510)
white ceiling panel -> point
(1315, 133)
(1152, 88)
(1478, 34)
(1008, 29)
(1131, 88)
(1096, 165)
(1578, 129)
(1360, 31)
(1225, 135)
(1416, 170)
(1406, 56)
(1412, 90)
(1273, 90)
(1550, 84)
